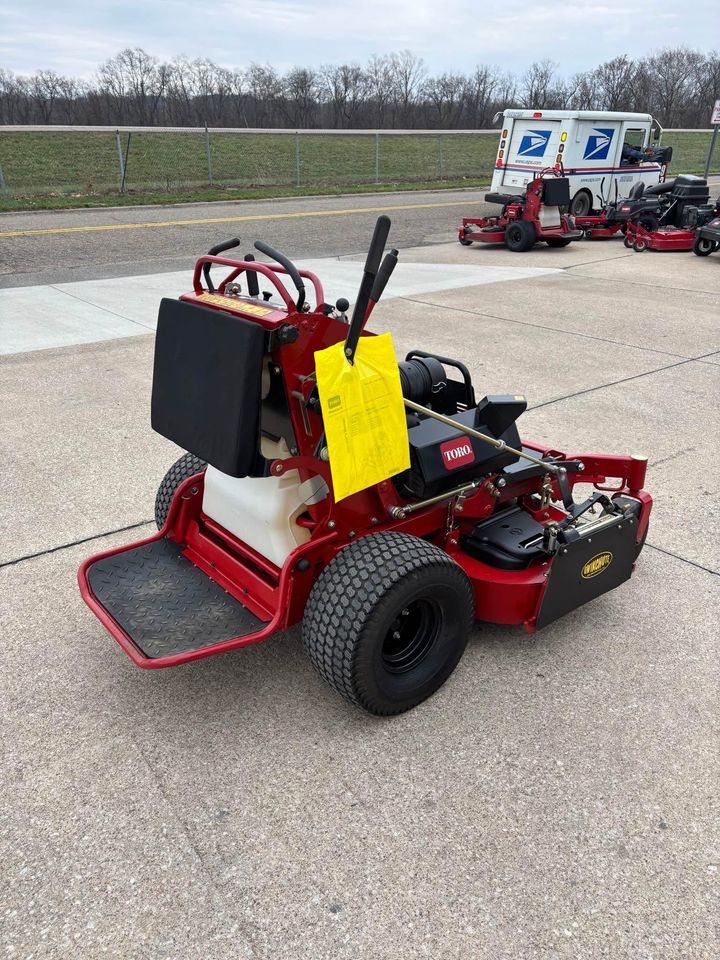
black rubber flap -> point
(587, 568)
(165, 603)
(207, 384)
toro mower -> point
(527, 219)
(707, 237)
(254, 535)
(666, 209)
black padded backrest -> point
(207, 382)
(637, 191)
(556, 192)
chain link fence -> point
(82, 161)
(86, 162)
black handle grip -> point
(383, 275)
(252, 280)
(289, 266)
(377, 244)
(215, 252)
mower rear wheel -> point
(703, 247)
(387, 621)
(520, 236)
(558, 241)
(186, 466)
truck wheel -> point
(703, 247)
(187, 466)
(387, 621)
(520, 236)
(558, 241)
(580, 204)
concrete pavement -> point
(557, 799)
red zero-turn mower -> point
(526, 219)
(387, 581)
(688, 209)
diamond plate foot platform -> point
(165, 604)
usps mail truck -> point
(596, 149)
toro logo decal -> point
(598, 144)
(533, 143)
(596, 565)
(456, 453)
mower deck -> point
(165, 604)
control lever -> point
(215, 252)
(289, 266)
(372, 263)
(252, 280)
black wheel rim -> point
(411, 636)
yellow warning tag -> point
(363, 413)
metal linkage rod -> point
(498, 444)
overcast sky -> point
(74, 36)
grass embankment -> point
(48, 170)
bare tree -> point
(344, 88)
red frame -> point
(278, 595)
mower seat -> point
(502, 198)
(637, 191)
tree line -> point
(677, 85)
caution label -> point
(254, 309)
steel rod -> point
(472, 432)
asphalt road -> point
(57, 246)
(555, 800)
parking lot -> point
(556, 799)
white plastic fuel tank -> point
(261, 511)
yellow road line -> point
(281, 215)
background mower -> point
(526, 219)
(687, 211)
(386, 581)
(677, 204)
(707, 237)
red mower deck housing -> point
(490, 525)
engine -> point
(441, 457)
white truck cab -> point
(589, 145)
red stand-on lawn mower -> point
(387, 581)
(527, 219)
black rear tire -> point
(702, 247)
(186, 466)
(387, 621)
(520, 236)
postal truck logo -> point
(598, 144)
(533, 143)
